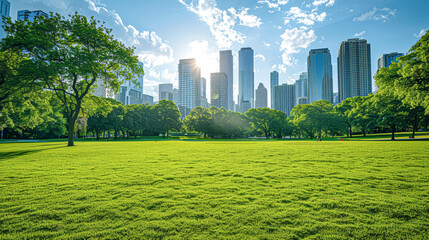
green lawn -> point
(215, 190)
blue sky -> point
(281, 32)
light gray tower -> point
(319, 70)
(386, 59)
(165, 91)
(301, 86)
(246, 87)
(274, 81)
(189, 84)
(30, 15)
(226, 65)
(4, 12)
(354, 69)
(261, 96)
(132, 93)
(219, 90)
(285, 98)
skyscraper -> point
(132, 93)
(246, 87)
(203, 87)
(354, 69)
(165, 91)
(4, 11)
(189, 84)
(147, 99)
(226, 66)
(386, 59)
(30, 15)
(219, 90)
(301, 86)
(261, 96)
(285, 98)
(319, 72)
(274, 81)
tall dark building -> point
(319, 73)
(226, 65)
(189, 85)
(354, 69)
(219, 90)
(285, 98)
(246, 87)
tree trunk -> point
(98, 134)
(116, 133)
(71, 134)
(351, 135)
(364, 132)
(393, 132)
(415, 126)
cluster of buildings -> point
(353, 66)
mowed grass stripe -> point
(215, 189)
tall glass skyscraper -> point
(30, 15)
(246, 86)
(132, 93)
(354, 69)
(189, 83)
(274, 81)
(285, 98)
(301, 86)
(226, 66)
(4, 11)
(319, 70)
(218, 90)
(165, 91)
(386, 59)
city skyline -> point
(280, 33)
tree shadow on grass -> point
(14, 154)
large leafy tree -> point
(71, 55)
(262, 119)
(343, 110)
(362, 113)
(200, 120)
(167, 115)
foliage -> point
(71, 55)
(167, 116)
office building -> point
(203, 87)
(319, 73)
(302, 100)
(354, 69)
(336, 98)
(386, 59)
(147, 99)
(30, 15)
(274, 81)
(285, 98)
(176, 96)
(165, 91)
(130, 92)
(261, 96)
(189, 84)
(301, 85)
(246, 86)
(226, 64)
(219, 90)
(4, 12)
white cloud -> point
(300, 16)
(293, 40)
(274, 3)
(221, 22)
(262, 57)
(421, 33)
(328, 3)
(383, 14)
(266, 44)
(360, 34)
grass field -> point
(215, 190)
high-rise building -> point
(301, 86)
(189, 84)
(203, 87)
(302, 100)
(386, 59)
(219, 90)
(319, 73)
(354, 69)
(336, 98)
(274, 81)
(4, 12)
(285, 98)
(176, 96)
(147, 99)
(30, 15)
(261, 96)
(246, 87)
(165, 91)
(130, 92)
(226, 65)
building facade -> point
(385, 60)
(285, 98)
(319, 74)
(261, 96)
(246, 76)
(301, 86)
(147, 99)
(4, 12)
(30, 15)
(189, 84)
(165, 91)
(354, 69)
(226, 65)
(219, 90)
(130, 92)
(274, 81)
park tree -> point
(71, 56)
(362, 113)
(167, 116)
(262, 119)
(281, 126)
(343, 110)
(200, 120)
(115, 119)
